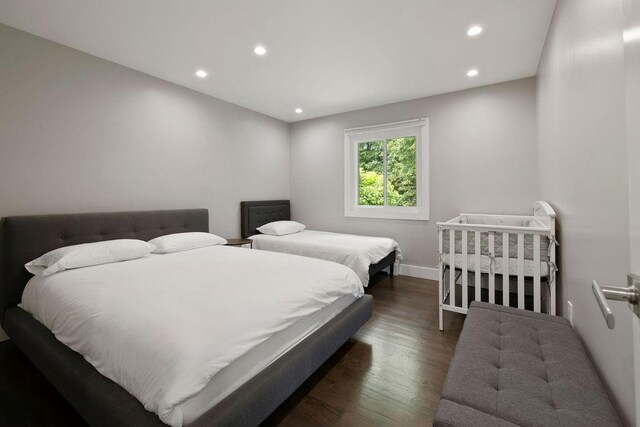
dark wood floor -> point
(390, 373)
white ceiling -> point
(325, 56)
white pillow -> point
(88, 254)
(185, 241)
(281, 228)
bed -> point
(365, 255)
(247, 400)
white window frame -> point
(352, 137)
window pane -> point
(371, 176)
(401, 171)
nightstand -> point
(240, 242)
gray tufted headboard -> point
(23, 238)
(255, 214)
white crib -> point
(527, 265)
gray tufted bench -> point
(515, 367)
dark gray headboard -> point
(23, 238)
(255, 214)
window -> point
(387, 171)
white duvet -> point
(163, 326)
(356, 252)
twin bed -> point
(210, 336)
(363, 254)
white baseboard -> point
(419, 271)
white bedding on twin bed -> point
(164, 326)
(356, 252)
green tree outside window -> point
(401, 172)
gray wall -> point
(483, 159)
(583, 172)
(80, 134)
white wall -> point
(80, 134)
(483, 159)
(583, 173)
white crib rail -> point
(458, 231)
(505, 269)
(478, 277)
(492, 275)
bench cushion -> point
(524, 368)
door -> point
(631, 39)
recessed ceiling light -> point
(472, 72)
(474, 31)
(202, 74)
(260, 50)
(298, 110)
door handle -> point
(629, 293)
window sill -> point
(380, 213)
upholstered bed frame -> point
(254, 214)
(97, 399)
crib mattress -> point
(485, 265)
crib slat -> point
(521, 271)
(505, 269)
(478, 272)
(492, 275)
(536, 273)
(452, 267)
(465, 284)
(440, 279)
(552, 276)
